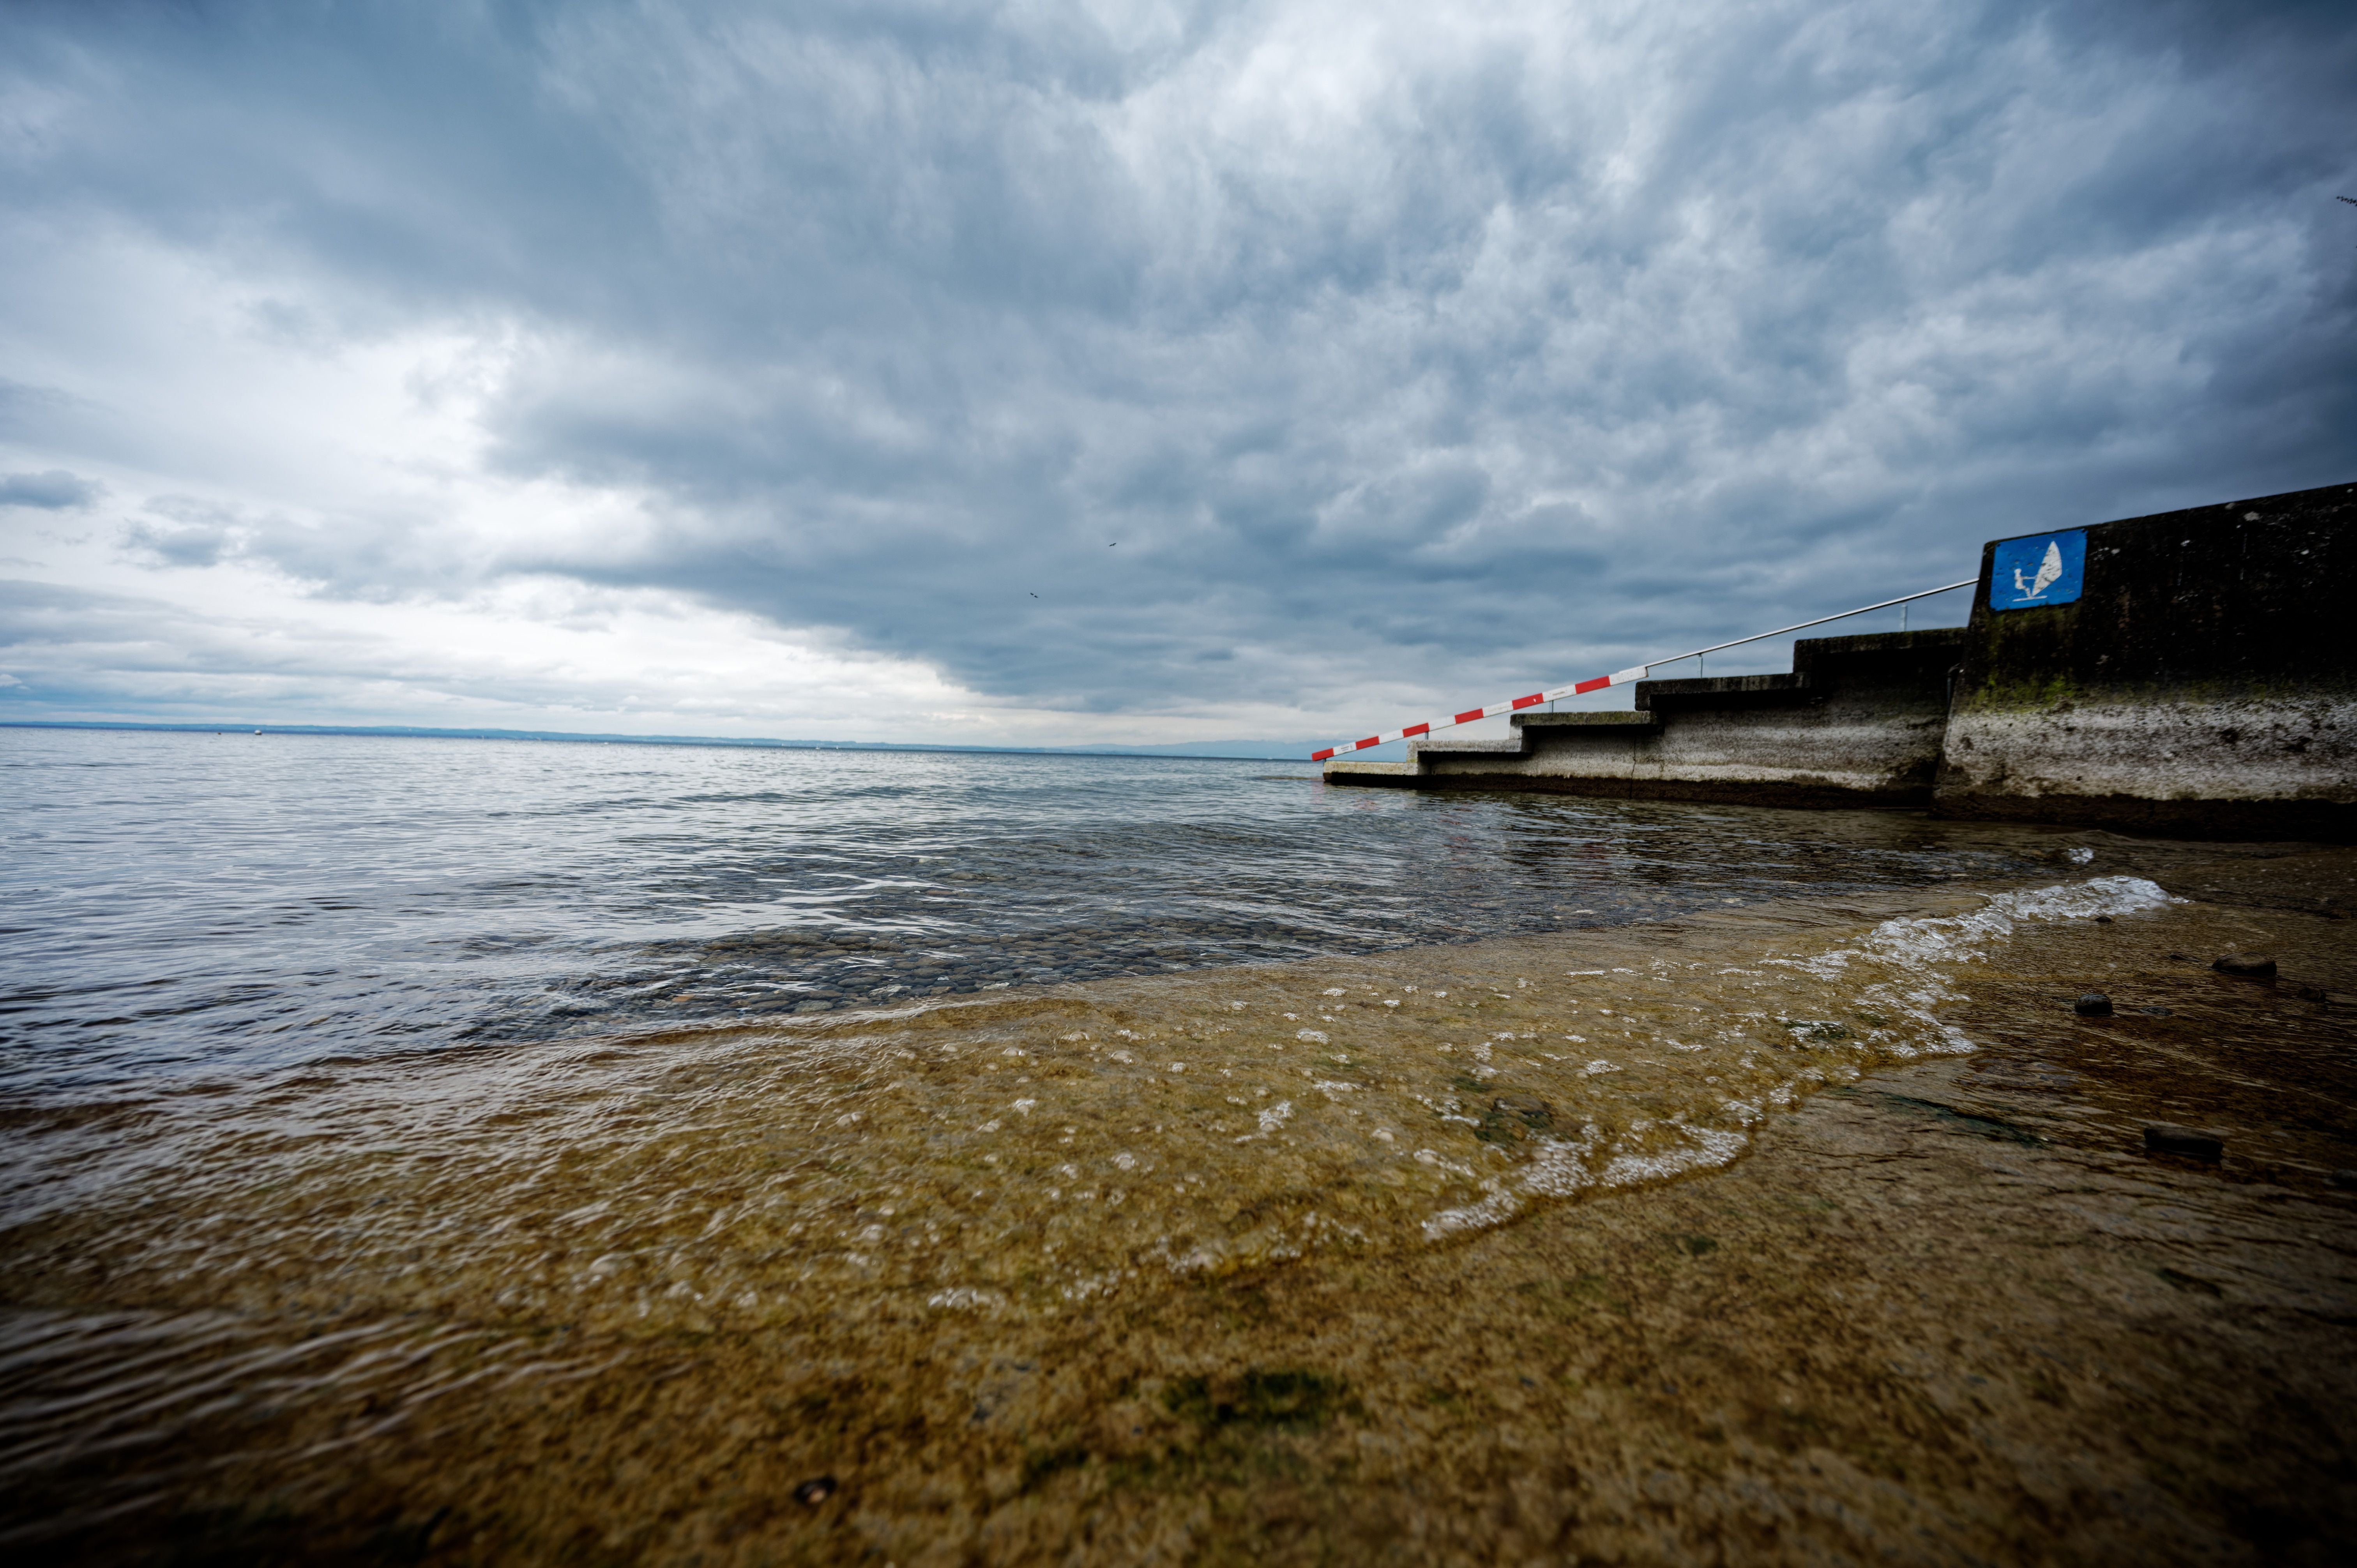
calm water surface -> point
(178, 903)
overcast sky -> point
(1065, 372)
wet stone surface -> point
(2185, 1142)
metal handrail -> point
(1804, 626)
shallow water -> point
(438, 1188)
(1025, 1154)
(647, 1287)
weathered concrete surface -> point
(1858, 722)
(2204, 681)
(1363, 772)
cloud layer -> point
(1101, 372)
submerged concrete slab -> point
(1365, 772)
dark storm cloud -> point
(1273, 350)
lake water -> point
(345, 1074)
(181, 903)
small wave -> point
(1902, 963)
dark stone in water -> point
(816, 1492)
(2250, 966)
(1513, 1116)
(1529, 1107)
(2184, 1142)
(2344, 1179)
(2094, 1004)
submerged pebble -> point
(2251, 966)
(2184, 1142)
(2093, 1005)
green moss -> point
(1042, 1465)
(1291, 1401)
(2036, 692)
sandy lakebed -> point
(1812, 1231)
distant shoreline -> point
(411, 731)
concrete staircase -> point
(2201, 682)
(1857, 722)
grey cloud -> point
(372, 557)
(186, 531)
(1407, 509)
(1530, 349)
(182, 545)
(52, 490)
(72, 652)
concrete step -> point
(1721, 691)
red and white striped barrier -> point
(1618, 678)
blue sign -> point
(2043, 569)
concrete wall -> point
(1857, 722)
(2204, 680)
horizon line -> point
(763, 743)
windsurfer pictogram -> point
(2050, 572)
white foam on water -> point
(923, 1149)
(965, 1298)
(1274, 1242)
(1697, 1149)
(1903, 963)
(1909, 952)
(1495, 1209)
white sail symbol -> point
(2050, 572)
